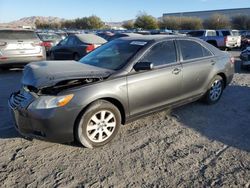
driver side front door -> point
(153, 89)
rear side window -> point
(17, 35)
(161, 54)
(196, 33)
(225, 33)
(192, 50)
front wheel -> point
(215, 90)
(99, 124)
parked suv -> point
(222, 39)
(118, 82)
(19, 46)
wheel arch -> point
(224, 78)
(113, 101)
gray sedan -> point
(118, 82)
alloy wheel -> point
(101, 126)
(216, 90)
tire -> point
(99, 124)
(76, 57)
(214, 91)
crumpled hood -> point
(48, 73)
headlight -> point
(46, 102)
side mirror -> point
(143, 66)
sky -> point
(108, 10)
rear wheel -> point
(215, 90)
(99, 124)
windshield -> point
(236, 33)
(113, 55)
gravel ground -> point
(195, 146)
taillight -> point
(232, 60)
(90, 48)
(225, 39)
(46, 44)
(3, 43)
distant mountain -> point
(30, 21)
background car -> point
(106, 35)
(222, 39)
(49, 40)
(245, 40)
(19, 46)
(245, 57)
(74, 47)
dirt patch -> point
(196, 146)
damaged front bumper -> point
(55, 124)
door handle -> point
(176, 71)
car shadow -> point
(228, 121)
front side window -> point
(225, 33)
(192, 50)
(161, 54)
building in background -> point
(206, 14)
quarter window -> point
(192, 50)
(161, 54)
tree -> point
(128, 24)
(217, 21)
(145, 21)
(176, 23)
(94, 22)
(68, 24)
(171, 22)
(241, 22)
(191, 23)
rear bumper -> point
(55, 125)
(21, 59)
(231, 45)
